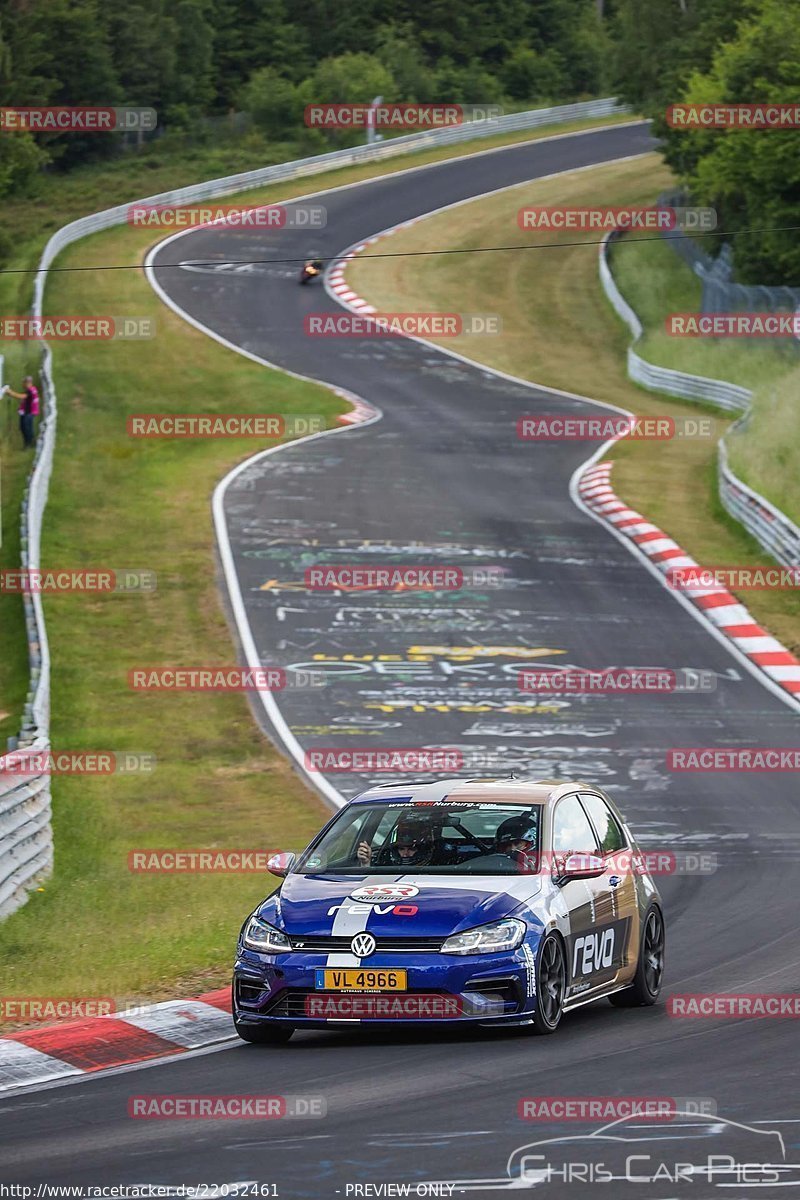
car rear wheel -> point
(551, 985)
(650, 969)
(264, 1035)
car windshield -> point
(430, 839)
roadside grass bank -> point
(121, 502)
(655, 282)
(559, 330)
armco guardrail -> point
(26, 852)
(771, 528)
(664, 379)
(26, 843)
(779, 536)
(26, 839)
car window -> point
(571, 828)
(342, 839)
(431, 838)
(608, 831)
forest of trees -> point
(195, 59)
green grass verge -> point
(765, 453)
(558, 330)
(100, 929)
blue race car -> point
(493, 901)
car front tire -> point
(551, 985)
(649, 976)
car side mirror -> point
(583, 866)
(282, 863)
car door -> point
(619, 908)
(588, 900)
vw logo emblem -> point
(363, 944)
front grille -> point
(385, 945)
(292, 1002)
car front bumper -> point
(441, 989)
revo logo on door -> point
(600, 950)
(593, 952)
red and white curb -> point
(335, 278)
(716, 603)
(336, 283)
(35, 1056)
(339, 286)
(360, 412)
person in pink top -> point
(28, 410)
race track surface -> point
(442, 479)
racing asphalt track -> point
(443, 467)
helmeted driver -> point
(517, 837)
(411, 845)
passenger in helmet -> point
(512, 851)
(517, 837)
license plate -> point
(355, 979)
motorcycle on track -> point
(311, 269)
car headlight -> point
(487, 939)
(258, 935)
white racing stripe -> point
(348, 924)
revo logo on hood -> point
(384, 893)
